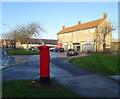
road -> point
(4, 56)
(5, 59)
(25, 67)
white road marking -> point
(5, 52)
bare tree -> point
(101, 34)
(28, 31)
(13, 36)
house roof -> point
(90, 24)
(7, 40)
(49, 41)
(1, 40)
(36, 41)
(39, 41)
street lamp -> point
(7, 25)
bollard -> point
(44, 65)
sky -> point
(53, 15)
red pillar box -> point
(44, 66)
(44, 62)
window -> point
(77, 39)
(79, 32)
(86, 31)
(67, 40)
(89, 38)
(93, 30)
(74, 33)
(70, 34)
(60, 41)
(58, 35)
(67, 34)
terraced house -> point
(83, 36)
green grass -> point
(21, 88)
(100, 64)
(22, 52)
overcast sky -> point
(53, 15)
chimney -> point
(79, 22)
(104, 15)
(63, 27)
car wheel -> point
(68, 55)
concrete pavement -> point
(83, 82)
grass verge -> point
(100, 64)
(24, 88)
(22, 52)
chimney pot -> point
(63, 27)
(105, 15)
(79, 22)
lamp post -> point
(12, 42)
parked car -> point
(59, 49)
(52, 49)
(71, 52)
(32, 48)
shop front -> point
(88, 46)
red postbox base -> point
(45, 82)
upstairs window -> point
(93, 30)
(70, 34)
(61, 35)
(86, 31)
(79, 32)
(67, 34)
(74, 33)
(58, 35)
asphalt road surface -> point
(5, 58)
(27, 67)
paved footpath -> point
(83, 82)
